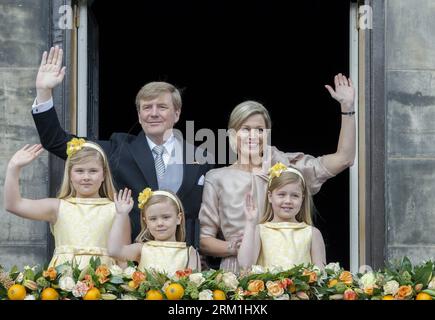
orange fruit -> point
(423, 296)
(388, 297)
(219, 295)
(174, 291)
(17, 292)
(49, 294)
(92, 294)
(154, 295)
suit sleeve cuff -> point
(42, 107)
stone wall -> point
(410, 129)
(24, 36)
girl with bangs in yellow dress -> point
(285, 236)
(81, 216)
(161, 243)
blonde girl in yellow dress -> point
(81, 216)
(161, 243)
(285, 236)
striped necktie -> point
(158, 160)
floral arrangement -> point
(398, 281)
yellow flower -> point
(332, 283)
(74, 145)
(276, 170)
(144, 196)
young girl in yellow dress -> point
(81, 216)
(160, 244)
(285, 236)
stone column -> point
(410, 129)
(24, 35)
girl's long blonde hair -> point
(145, 234)
(304, 215)
(87, 154)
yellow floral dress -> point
(164, 256)
(82, 230)
(284, 244)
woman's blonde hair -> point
(239, 115)
(304, 214)
(145, 234)
(87, 154)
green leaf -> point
(423, 274)
(29, 274)
(116, 280)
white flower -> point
(205, 295)
(256, 269)
(333, 266)
(276, 269)
(197, 278)
(171, 274)
(368, 280)
(127, 297)
(31, 268)
(65, 270)
(391, 287)
(66, 283)
(115, 270)
(431, 284)
(317, 270)
(30, 297)
(20, 277)
(128, 272)
(230, 280)
(282, 297)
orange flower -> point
(255, 286)
(102, 273)
(138, 277)
(349, 294)
(346, 277)
(312, 274)
(50, 273)
(88, 281)
(404, 292)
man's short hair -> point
(153, 89)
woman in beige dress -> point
(225, 188)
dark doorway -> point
(224, 52)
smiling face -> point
(251, 136)
(286, 202)
(162, 220)
(86, 178)
(158, 116)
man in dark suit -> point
(155, 158)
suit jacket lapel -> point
(190, 173)
(142, 154)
